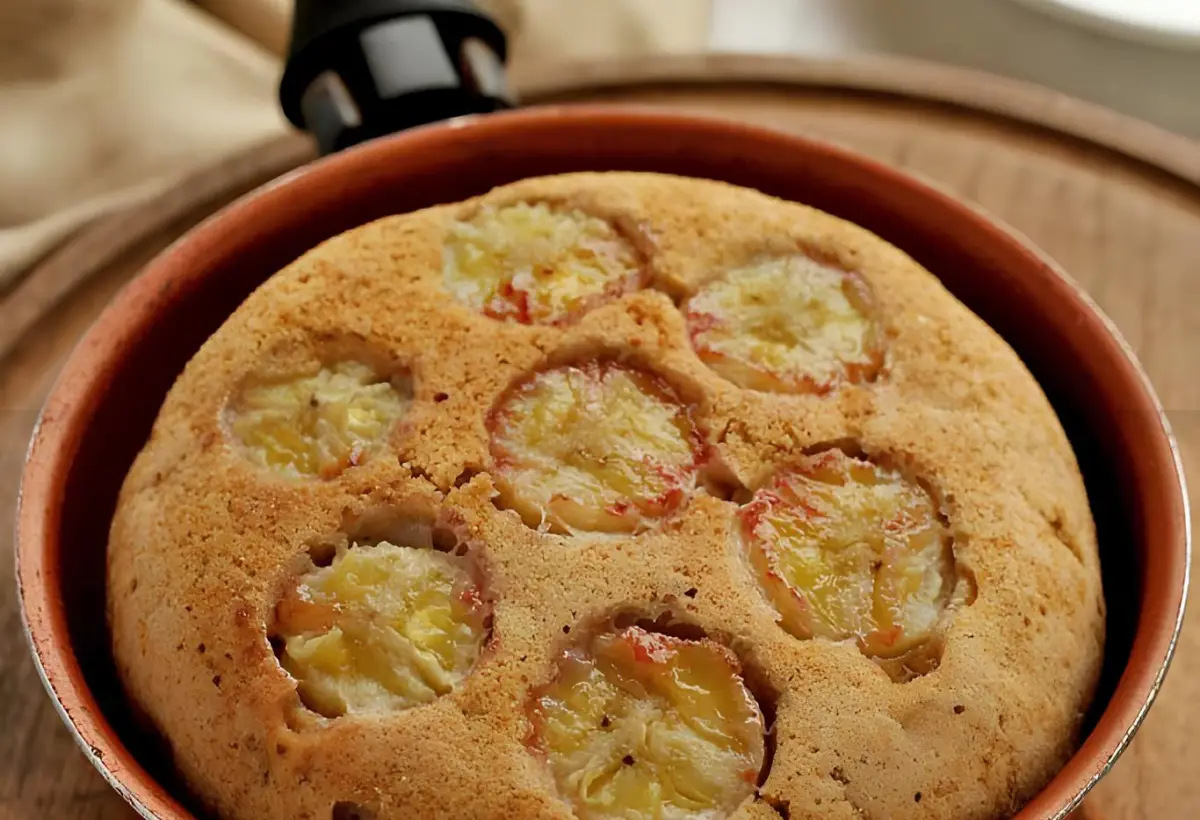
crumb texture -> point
(607, 496)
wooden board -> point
(1116, 201)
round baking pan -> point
(100, 411)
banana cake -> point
(607, 495)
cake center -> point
(597, 446)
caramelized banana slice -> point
(537, 264)
(848, 549)
(321, 424)
(597, 447)
(640, 725)
(786, 325)
(382, 628)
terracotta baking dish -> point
(100, 412)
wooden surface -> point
(1115, 201)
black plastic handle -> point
(359, 69)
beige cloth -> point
(106, 103)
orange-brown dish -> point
(608, 495)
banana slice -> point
(537, 264)
(786, 325)
(845, 548)
(319, 425)
(382, 628)
(638, 725)
(593, 447)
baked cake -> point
(607, 496)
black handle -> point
(359, 69)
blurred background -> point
(106, 103)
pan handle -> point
(359, 69)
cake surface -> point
(607, 496)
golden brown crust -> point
(202, 537)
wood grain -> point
(1115, 201)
